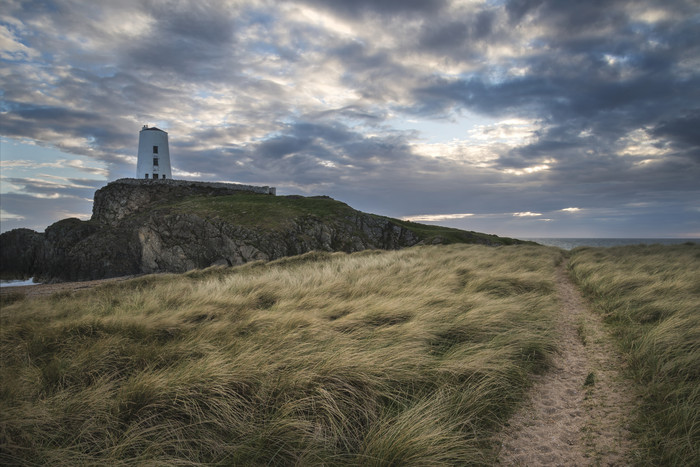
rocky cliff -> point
(144, 226)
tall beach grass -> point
(412, 357)
(650, 296)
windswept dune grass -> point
(650, 295)
(411, 357)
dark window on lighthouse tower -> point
(155, 149)
(155, 161)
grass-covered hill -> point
(277, 213)
(146, 226)
(409, 357)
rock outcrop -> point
(124, 197)
(20, 251)
(143, 226)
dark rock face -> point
(126, 235)
(20, 251)
(180, 242)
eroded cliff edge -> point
(143, 226)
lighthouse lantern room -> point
(154, 155)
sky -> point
(522, 118)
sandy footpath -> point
(578, 411)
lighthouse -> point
(154, 155)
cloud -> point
(590, 104)
(435, 217)
(682, 132)
(11, 46)
(57, 187)
(78, 164)
(6, 216)
(384, 8)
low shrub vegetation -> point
(650, 296)
(411, 357)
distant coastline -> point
(571, 243)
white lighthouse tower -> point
(154, 155)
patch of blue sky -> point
(101, 71)
(205, 93)
(253, 15)
(264, 48)
(160, 124)
(455, 128)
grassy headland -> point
(376, 358)
(274, 212)
(650, 296)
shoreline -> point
(39, 290)
(569, 243)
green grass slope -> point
(276, 212)
(650, 297)
(410, 357)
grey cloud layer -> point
(303, 94)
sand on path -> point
(578, 412)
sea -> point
(571, 243)
(563, 243)
(18, 283)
